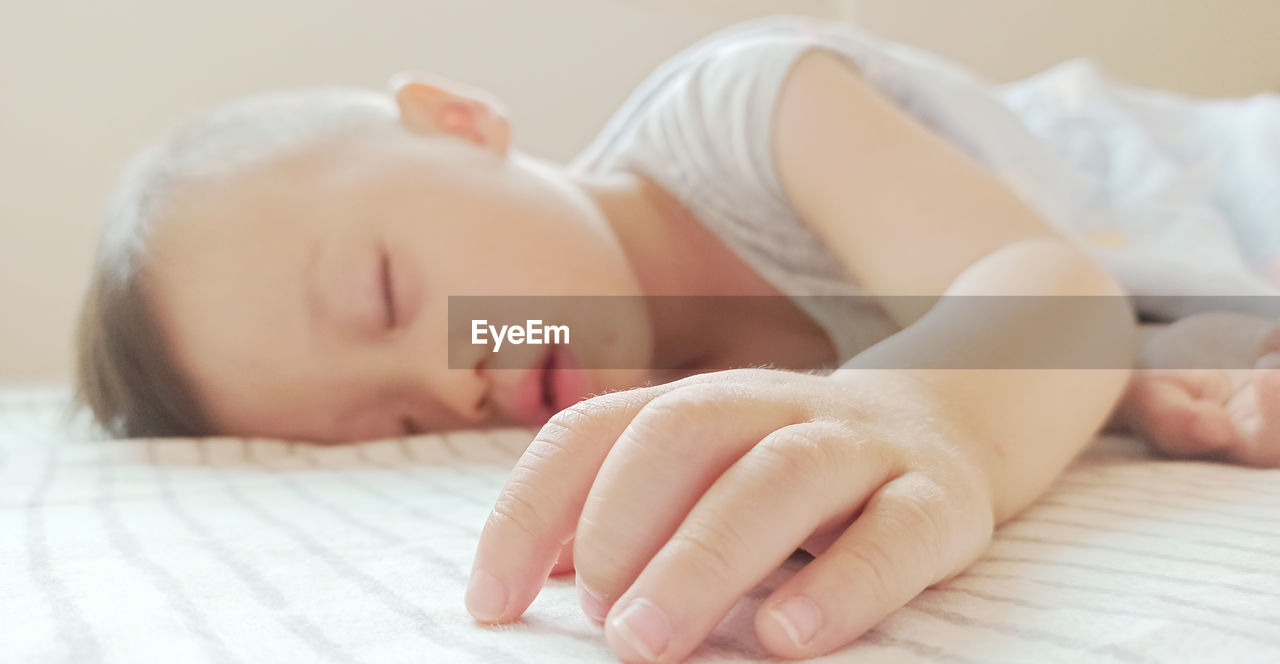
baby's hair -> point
(126, 374)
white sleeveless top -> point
(699, 127)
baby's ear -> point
(431, 105)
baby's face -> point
(309, 300)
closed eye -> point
(388, 290)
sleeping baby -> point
(282, 266)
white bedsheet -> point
(226, 550)
(1184, 193)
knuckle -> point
(733, 376)
(604, 556)
(686, 401)
(818, 450)
(916, 510)
(574, 419)
(542, 451)
(705, 546)
(798, 454)
(527, 476)
(870, 567)
(576, 423)
(605, 578)
(587, 412)
(914, 543)
(684, 412)
(512, 509)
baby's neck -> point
(673, 254)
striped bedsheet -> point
(227, 550)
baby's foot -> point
(1229, 409)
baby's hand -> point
(1210, 387)
(679, 499)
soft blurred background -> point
(85, 84)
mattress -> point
(231, 550)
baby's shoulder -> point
(711, 100)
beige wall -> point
(1203, 47)
(86, 83)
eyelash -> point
(388, 290)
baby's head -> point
(281, 267)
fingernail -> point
(592, 604)
(486, 596)
(799, 617)
(644, 627)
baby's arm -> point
(680, 498)
(1028, 422)
(909, 214)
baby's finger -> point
(535, 515)
(537, 511)
(911, 534)
(664, 461)
(740, 531)
(1168, 410)
(1261, 446)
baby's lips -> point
(525, 401)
